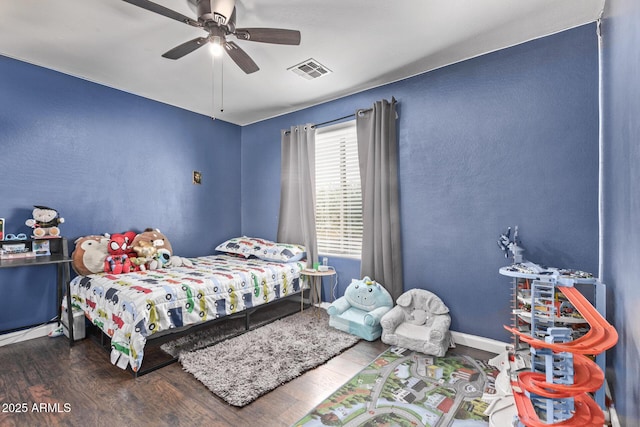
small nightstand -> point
(313, 276)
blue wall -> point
(621, 123)
(509, 138)
(109, 162)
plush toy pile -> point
(124, 252)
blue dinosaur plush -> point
(359, 311)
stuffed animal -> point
(89, 254)
(129, 236)
(155, 237)
(179, 261)
(146, 253)
(117, 261)
(138, 263)
(45, 221)
(162, 251)
(162, 258)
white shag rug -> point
(244, 368)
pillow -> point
(283, 252)
(263, 249)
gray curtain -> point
(297, 219)
(378, 157)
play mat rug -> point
(405, 388)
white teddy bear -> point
(45, 221)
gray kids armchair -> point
(420, 321)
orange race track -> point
(588, 376)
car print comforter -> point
(130, 308)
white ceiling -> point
(366, 43)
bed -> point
(133, 308)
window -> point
(338, 195)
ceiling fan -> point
(218, 19)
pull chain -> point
(221, 84)
(213, 86)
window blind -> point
(338, 195)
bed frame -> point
(247, 320)
(136, 309)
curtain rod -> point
(335, 120)
(364, 110)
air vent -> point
(310, 69)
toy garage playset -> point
(566, 337)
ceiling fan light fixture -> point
(218, 18)
(215, 46)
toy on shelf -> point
(45, 222)
(556, 390)
(560, 330)
(507, 244)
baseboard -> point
(613, 417)
(614, 420)
(27, 334)
(481, 343)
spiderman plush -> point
(117, 261)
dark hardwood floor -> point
(56, 385)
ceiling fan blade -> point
(161, 10)
(185, 48)
(241, 58)
(269, 35)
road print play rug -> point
(405, 388)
